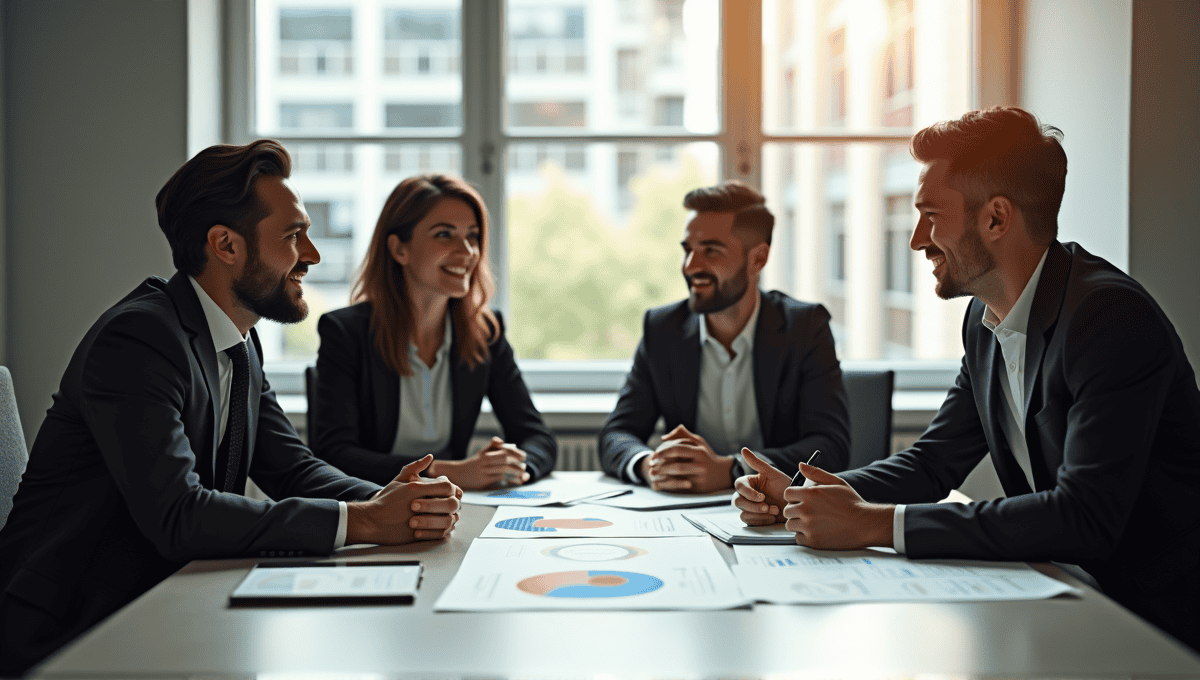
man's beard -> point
(974, 261)
(258, 291)
(725, 293)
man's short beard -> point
(257, 291)
(976, 262)
(725, 295)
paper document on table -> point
(799, 575)
(645, 498)
(595, 574)
(337, 583)
(585, 521)
(726, 524)
(547, 491)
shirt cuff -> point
(631, 470)
(898, 530)
(339, 539)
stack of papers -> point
(547, 491)
(726, 525)
(337, 583)
(645, 498)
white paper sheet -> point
(726, 524)
(595, 574)
(359, 580)
(799, 575)
(546, 491)
(645, 498)
(584, 521)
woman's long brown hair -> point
(381, 279)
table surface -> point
(184, 628)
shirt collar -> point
(746, 337)
(1017, 320)
(224, 333)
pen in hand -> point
(800, 475)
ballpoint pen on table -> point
(800, 475)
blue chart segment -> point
(517, 493)
(590, 584)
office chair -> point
(310, 394)
(13, 454)
(869, 394)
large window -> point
(584, 122)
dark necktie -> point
(235, 428)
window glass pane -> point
(593, 241)
(854, 203)
(360, 67)
(642, 66)
(856, 64)
(343, 187)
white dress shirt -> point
(426, 411)
(1011, 334)
(726, 407)
(225, 334)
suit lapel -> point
(191, 317)
(460, 385)
(685, 371)
(1043, 314)
(252, 404)
(768, 362)
(385, 394)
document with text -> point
(547, 491)
(726, 525)
(645, 498)
(591, 574)
(585, 521)
(799, 575)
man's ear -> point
(997, 217)
(758, 257)
(225, 244)
(397, 249)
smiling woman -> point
(403, 372)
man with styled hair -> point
(728, 367)
(1073, 380)
(164, 412)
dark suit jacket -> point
(358, 402)
(1113, 429)
(119, 493)
(797, 385)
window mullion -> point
(741, 91)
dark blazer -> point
(1113, 429)
(797, 385)
(119, 493)
(358, 402)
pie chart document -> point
(591, 573)
(586, 521)
(546, 491)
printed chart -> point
(574, 573)
(585, 521)
(547, 491)
(798, 575)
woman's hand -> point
(495, 465)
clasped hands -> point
(685, 462)
(410, 508)
(829, 515)
(497, 464)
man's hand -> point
(760, 495)
(410, 508)
(497, 464)
(685, 462)
(832, 516)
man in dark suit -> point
(728, 367)
(163, 413)
(1073, 379)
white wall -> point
(96, 122)
(1075, 74)
(1164, 202)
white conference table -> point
(184, 628)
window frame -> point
(483, 142)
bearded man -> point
(164, 412)
(730, 366)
